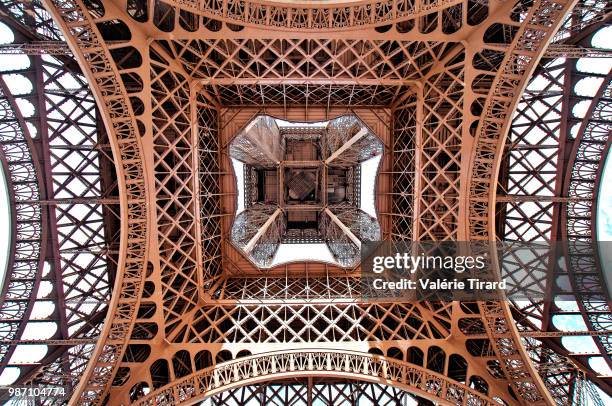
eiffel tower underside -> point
(132, 277)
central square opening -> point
(301, 187)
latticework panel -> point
(315, 94)
(361, 224)
(118, 115)
(260, 248)
(259, 144)
(353, 180)
(175, 157)
(36, 16)
(77, 202)
(344, 250)
(405, 142)
(340, 132)
(315, 391)
(312, 60)
(558, 372)
(440, 152)
(585, 14)
(544, 197)
(510, 77)
(247, 223)
(312, 323)
(249, 175)
(19, 285)
(534, 143)
(87, 212)
(586, 269)
(209, 189)
(264, 288)
(445, 14)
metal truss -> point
(494, 111)
(73, 199)
(536, 171)
(360, 224)
(584, 173)
(289, 364)
(345, 142)
(343, 244)
(313, 391)
(28, 232)
(119, 118)
(317, 18)
(258, 230)
(38, 48)
(349, 142)
(61, 48)
(278, 322)
(190, 316)
(584, 15)
(261, 144)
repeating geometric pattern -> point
(118, 112)
(488, 144)
(78, 206)
(440, 161)
(19, 287)
(174, 157)
(406, 141)
(209, 190)
(320, 392)
(426, 382)
(167, 105)
(226, 61)
(445, 12)
(532, 156)
(284, 323)
(553, 199)
(587, 274)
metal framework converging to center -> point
(126, 238)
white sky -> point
(604, 211)
(368, 182)
(302, 252)
(239, 172)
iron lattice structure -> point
(288, 175)
(123, 196)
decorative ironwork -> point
(175, 81)
(427, 384)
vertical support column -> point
(309, 394)
(253, 241)
(194, 87)
(259, 143)
(281, 185)
(52, 253)
(344, 228)
(347, 145)
(324, 186)
(561, 170)
(418, 148)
